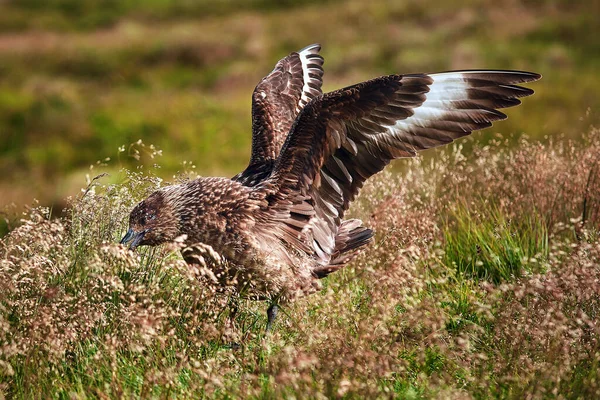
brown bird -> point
(274, 230)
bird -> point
(274, 230)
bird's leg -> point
(233, 304)
(271, 315)
(233, 308)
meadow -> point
(483, 280)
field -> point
(483, 282)
(484, 278)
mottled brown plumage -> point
(276, 228)
(276, 101)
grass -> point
(459, 297)
(492, 247)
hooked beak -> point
(133, 238)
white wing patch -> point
(444, 89)
(447, 102)
(312, 72)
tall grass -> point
(483, 282)
(486, 244)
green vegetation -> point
(82, 77)
(479, 285)
(482, 282)
(491, 247)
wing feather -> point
(344, 137)
(276, 101)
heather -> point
(483, 282)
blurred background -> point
(81, 80)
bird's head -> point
(152, 222)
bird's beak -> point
(133, 238)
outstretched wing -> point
(346, 136)
(276, 102)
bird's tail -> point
(350, 240)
